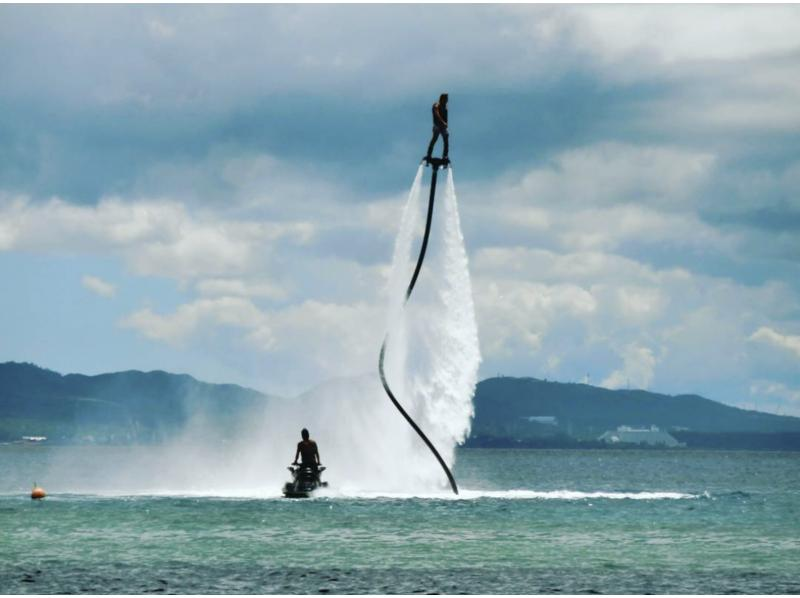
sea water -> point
(527, 521)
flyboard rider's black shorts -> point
(437, 130)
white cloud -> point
(610, 228)
(555, 230)
(333, 339)
(660, 322)
(640, 304)
(767, 388)
(683, 33)
(724, 67)
(160, 29)
(241, 288)
(319, 339)
(637, 370)
(176, 328)
(767, 335)
(281, 188)
(609, 173)
(718, 103)
(600, 197)
(219, 48)
(196, 251)
(551, 266)
(514, 316)
(99, 286)
(158, 238)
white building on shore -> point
(651, 436)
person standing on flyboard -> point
(439, 111)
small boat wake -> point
(345, 493)
(467, 494)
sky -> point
(215, 190)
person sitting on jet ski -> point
(439, 110)
(308, 451)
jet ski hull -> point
(305, 481)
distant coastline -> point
(744, 441)
(136, 407)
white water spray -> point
(432, 355)
(432, 360)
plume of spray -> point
(432, 359)
(438, 346)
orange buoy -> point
(37, 493)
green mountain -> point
(127, 406)
(133, 406)
(530, 411)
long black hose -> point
(435, 167)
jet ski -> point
(304, 481)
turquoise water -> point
(529, 521)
